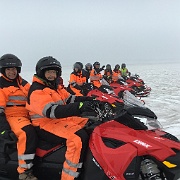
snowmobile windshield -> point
(107, 87)
(109, 91)
(121, 79)
(104, 82)
(151, 123)
(131, 101)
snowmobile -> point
(133, 84)
(119, 88)
(138, 85)
(127, 146)
(105, 94)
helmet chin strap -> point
(96, 68)
(52, 84)
(77, 72)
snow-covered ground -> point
(164, 99)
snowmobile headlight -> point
(169, 165)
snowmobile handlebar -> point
(101, 111)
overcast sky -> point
(117, 31)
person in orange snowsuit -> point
(77, 79)
(108, 73)
(95, 75)
(14, 116)
(55, 111)
(116, 74)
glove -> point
(86, 106)
(7, 134)
(102, 67)
(90, 98)
(78, 87)
(84, 98)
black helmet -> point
(123, 65)
(8, 61)
(80, 63)
(96, 64)
(47, 63)
(108, 66)
(78, 66)
(88, 66)
(117, 66)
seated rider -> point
(77, 79)
(87, 70)
(116, 74)
(108, 73)
(124, 71)
(95, 75)
(14, 117)
(55, 111)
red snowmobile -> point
(127, 146)
(142, 90)
(104, 93)
(119, 88)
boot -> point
(27, 175)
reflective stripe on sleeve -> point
(60, 102)
(78, 165)
(52, 114)
(72, 98)
(26, 157)
(1, 109)
(71, 173)
(46, 108)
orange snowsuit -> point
(115, 75)
(95, 78)
(107, 72)
(76, 81)
(46, 106)
(13, 96)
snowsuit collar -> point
(36, 78)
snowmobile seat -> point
(48, 142)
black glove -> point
(102, 67)
(90, 98)
(8, 134)
(4, 125)
(78, 87)
(83, 98)
(86, 106)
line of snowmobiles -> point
(126, 143)
(132, 83)
(107, 93)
